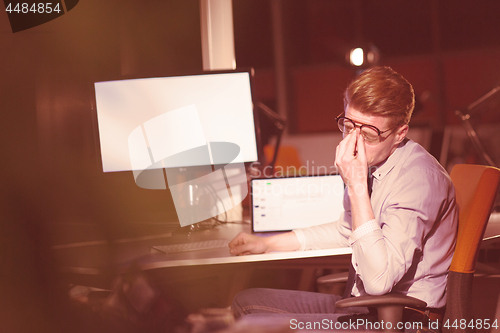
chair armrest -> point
(382, 300)
(389, 307)
(333, 278)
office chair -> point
(288, 162)
(476, 187)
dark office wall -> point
(51, 172)
(48, 95)
(447, 49)
(317, 31)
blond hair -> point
(380, 91)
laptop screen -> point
(281, 204)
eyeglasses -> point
(370, 133)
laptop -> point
(284, 204)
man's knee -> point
(245, 299)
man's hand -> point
(351, 162)
(248, 244)
(350, 159)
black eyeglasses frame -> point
(361, 125)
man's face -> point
(378, 152)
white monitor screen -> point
(280, 204)
(144, 121)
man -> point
(400, 213)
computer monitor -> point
(173, 114)
(191, 132)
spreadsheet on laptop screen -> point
(280, 204)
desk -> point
(239, 269)
(85, 256)
(95, 263)
(222, 255)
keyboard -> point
(193, 246)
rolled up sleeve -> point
(324, 236)
(328, 235)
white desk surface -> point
(89, 258)
(222, 255)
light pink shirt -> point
(409, 246)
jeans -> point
(292, 304)
(303, 310)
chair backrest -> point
(476, 188)
(288, 161)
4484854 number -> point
(40, 8)
(477, 324)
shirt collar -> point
(380, 172)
